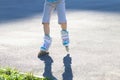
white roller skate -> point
(65, 39)
(45, 46)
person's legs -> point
(46, 28)
(65, 36)
(63, 22)
(61, 14)
(48, 8)
(63, 26)
(46, 18)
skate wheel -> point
(67, 48)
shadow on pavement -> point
(17, 9)
(96, 5)
(67, 75)
(48, 66)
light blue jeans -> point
(50, 7)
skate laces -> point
(46, 44)
(65, 37)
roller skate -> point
(45, 46)
(65, 39)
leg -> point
(48, 9)
(63, 26)
(46, 28)
(61, 14)
(63, 22)
(45, 21)
(65, 36)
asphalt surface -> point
(94, 44)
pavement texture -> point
(94, 46)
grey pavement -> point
(94, 45)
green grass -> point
(12, 74)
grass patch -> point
(13, 74)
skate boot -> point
(45, 46)
(65, 39)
